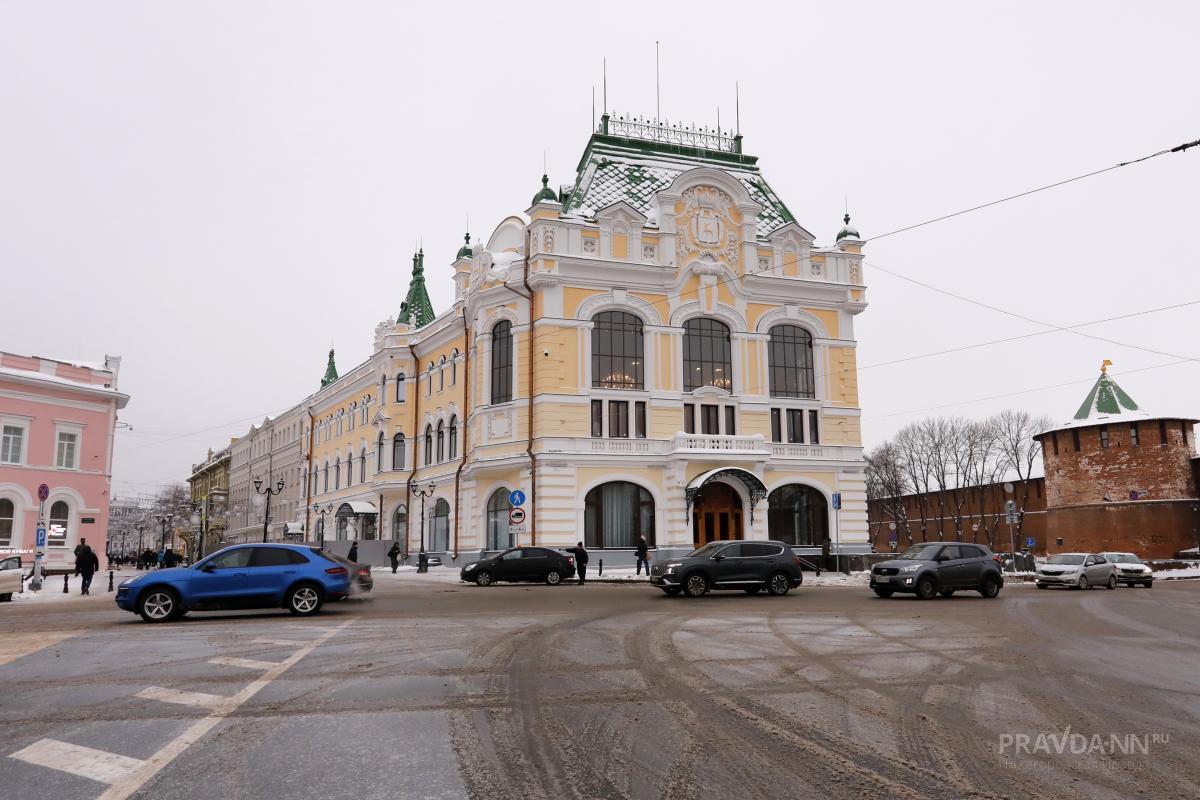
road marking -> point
(245, 663)
(180, 697)
(280, 642)
(82, 761)
(14, 646)
(122, 789)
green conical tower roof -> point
(330, 371)
(1105, 398)
(417, 304)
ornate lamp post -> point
(422, 559)
(164, 520)
(317, 509)
(269, 492)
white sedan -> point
(1131, 570)
(10, 577)
(1078, 571)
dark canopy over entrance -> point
(753, 485)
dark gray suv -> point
(749, 566)
(938, 568)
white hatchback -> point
(10, 577)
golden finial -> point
(1104, 367)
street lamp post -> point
(269, 492)
(422, 559)
(164, 520)
(321, 522)
(141, 528)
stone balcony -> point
(702, 445)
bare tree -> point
(1020, 453)
(913, 456)
(887, 485)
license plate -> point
(883, 578)
(656, 579)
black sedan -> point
(520, 564)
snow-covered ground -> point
(52, 588)
(1183, 573)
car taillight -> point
(364, 571)
(336, 571)
(799, 561)
(996, 558)
(570, 561)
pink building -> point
(56, 427)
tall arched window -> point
(790, 356)
(315, 476)
(60, 523)
(439, 527)
(379, 453)
(441, 373)
(398, 451)
(441, 441)
(454, 367)
(798, 515)
(429, 377)
(453, 437)
(615, 514)
(502, 362)
(617, 351)
(350, 469)
(8, 513)
(400, 522)
(498, 536)
(707, 355)
(327, 476)
(337, 473)
(428, 445)
(400, 388)
(362, 466)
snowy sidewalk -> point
(52, 588)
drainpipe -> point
(529, 400)
(412, 350)
(465, 427)
(312, 427)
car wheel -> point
(1112, 581)
(1147, 584)
(1041, 586)
(6, 597)
(159, 604)
(946, 593)
(696, 585)
(483, 578)
(752, 589)
(779, 584)
(885, 593)
(304, 599)
(1083, 584)
(990, 587)
(926, 588)
(554, 577)
(672, 591)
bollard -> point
(64, 583)
(110, 580)
(601, 572)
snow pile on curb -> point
(52, 588)
(1181, 574)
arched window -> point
(441, 441)
(8, 513)
(428, 445)
(350, 469)
(790, 356)
(441, 373)
(615, 514)
(350, 416)
(379, 453)
(60, 523)
(398, 451)
(362, 466)
(400, 522)
(454, 437)
(315, 475)
(707, 355)
(454, 367)
(337, 473)
(617, 351)
(502, 362)
(439, 527)
(327, 476)
(400, 388)
(798, 515)
(498, 536)
(429, 377)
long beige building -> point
(658, 350)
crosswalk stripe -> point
(99, 765)
(245, 663)
(279, 642)
(201, 699)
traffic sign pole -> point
(40, 544)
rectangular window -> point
(12, 444)
(639, 419)
(689, 418)
(795, 425)
(1162, 432)
(597, 418)
(618, 419)
(1104, 436)
(67, 446)
(814, 427)
(730, 420)
(776, 425)
(1054, 441)
(1133, 435)
(710, 419)
(1075, 439)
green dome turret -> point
(546, 194)
(847, 232)
(416, 305)
(465, 251)
(331, 373)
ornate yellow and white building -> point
(657, 350)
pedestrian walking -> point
(581, 559)
(86, 566)
(643, 551)
(161, 558)
(825, 553)
(353, 554)
(394, 556)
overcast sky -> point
(218, 191)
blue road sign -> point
(1030, 542)
(837, 500)
(516, 498)
(41, 535)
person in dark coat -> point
(86, 565)
(581, 559)
(394, 556)
(643, 552)
(353, 554)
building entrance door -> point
(716, 514)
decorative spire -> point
(847, 232)
(331, 373)
(1105, 398)
(465, 251)
(546, 194)
(416, 305)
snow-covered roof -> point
(45, 377)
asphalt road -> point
(442, 691)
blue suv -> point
(294, 577)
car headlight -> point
(469, 567)
(910, 568)
(671, 567)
